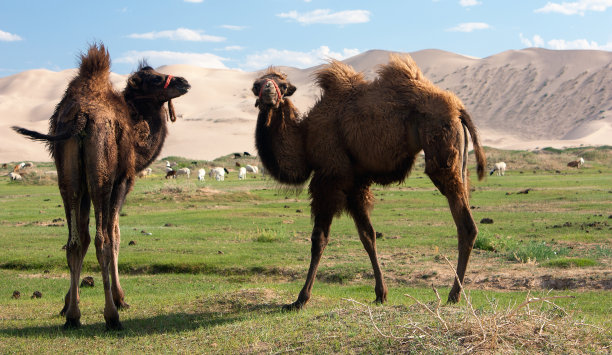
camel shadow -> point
(136, 327)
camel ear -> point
(134, 81)
(290, 90)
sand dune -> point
(519, 100)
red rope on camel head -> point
(168, 81)
(278, 93)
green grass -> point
(213, 262)
(571, 262)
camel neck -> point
(279, 141)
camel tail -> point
(96, 62)
(75, 127)
(37, 136)
(481, 160)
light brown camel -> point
(100, 139)
(363, 132)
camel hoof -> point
(72, 323)
(113, 324)
(380, 300)
(293, 307)
(122, 305)
(453, 298)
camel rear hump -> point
(95, 63)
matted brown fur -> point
(99, 138)
(362, 132)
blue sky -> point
(253, 34)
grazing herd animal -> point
(576, 163)
(99, 139)
(218, 173)
(201, 174)
(242, 173)
(183, 171)
(144, 173)
(500, 168)
(375, 130)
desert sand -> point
(532, 98)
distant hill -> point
(519, 99)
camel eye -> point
(256, 87)
(157, 79)
(283, 86)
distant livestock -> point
(201, 174)
(15, 176)
(252, 169)
(18, 167)
(183, 171)
(171, 174)
(242, 173)
(500, 168)
(218, 173)
(576, 163)
(144, 173)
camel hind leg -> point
(443, 165)
(77, 205)
(117, 199)
(359, 203)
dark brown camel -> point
(360, 133)
(100, 139)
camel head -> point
(148, 84)
(271, 88)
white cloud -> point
(466, 3)
(158, 58)
(9, 37)
(180, 34)
(295, 59)
(469, 27)
(582, 43)
(233, 27)
(232, 48)
(577, 7)
(536, 41)
(578, 44)
(194, 1)
(326, 16)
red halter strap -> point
(168, 81)
(278, 93)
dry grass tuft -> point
(517, 328)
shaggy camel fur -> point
(360, 133)
(100, 139)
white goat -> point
(183, 171)
(500, 168)
(252, 169)
(218, 173)
(15, 176)
(201, 174)
(144, 173)
(242, 173)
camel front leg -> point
(319, 239)
(466, 234)
(450, 183)
(359, 204)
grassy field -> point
(207, 266)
